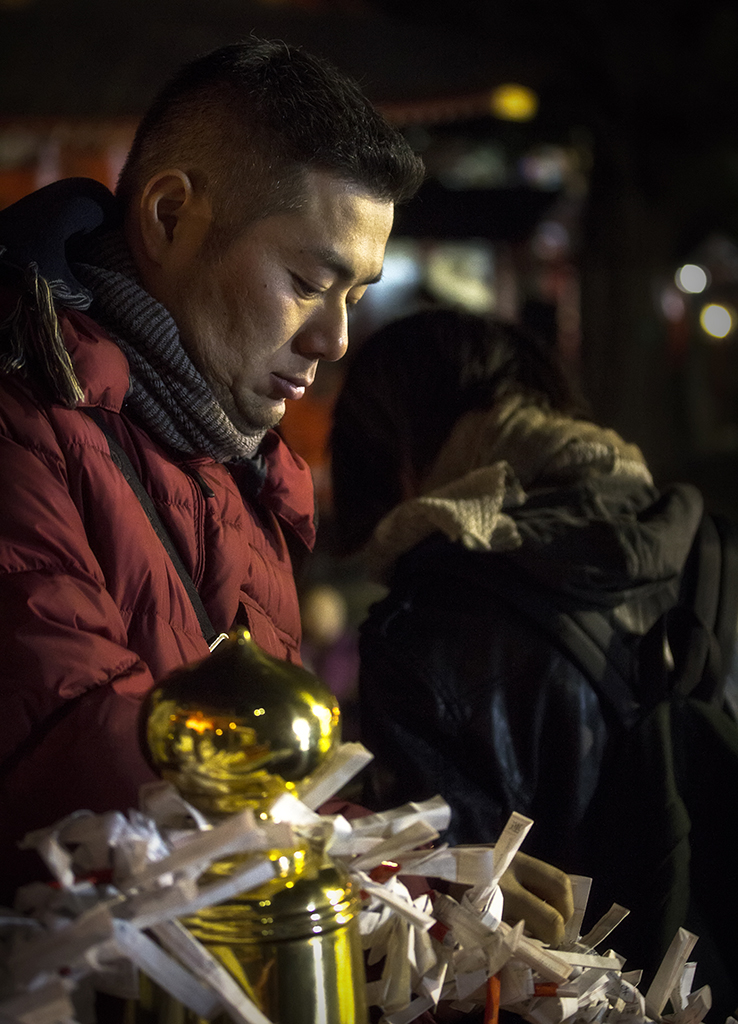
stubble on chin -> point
(199, 337)
(203, 357)
(249, 416)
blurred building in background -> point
(582, 176)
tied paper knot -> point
(144, 871)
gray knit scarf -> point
(166, 394)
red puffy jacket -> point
(92, 610)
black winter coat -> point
(463, 695)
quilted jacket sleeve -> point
(71, 689)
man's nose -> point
(325, 335)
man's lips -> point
(290, 387)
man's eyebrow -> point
(330, 259)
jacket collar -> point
(41, 228)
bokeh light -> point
(672, 305)
(512, 102)
(691, 278)
(716, 320)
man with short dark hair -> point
(155, 336)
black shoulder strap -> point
(701, 629)
(585, 636)
(726, 625)
(120, 458)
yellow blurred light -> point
(716, 320)
(199, 723)
(512, 102)
(325, 716)
(301, 729)
(691, 278)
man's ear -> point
(173, 217)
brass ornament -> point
(235, 731)
(240, 727)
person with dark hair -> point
(148, 344)
(498, 515)
(457, 453)
(406, 389)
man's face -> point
(256, 318)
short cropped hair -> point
(247, 120)
(406, 387)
